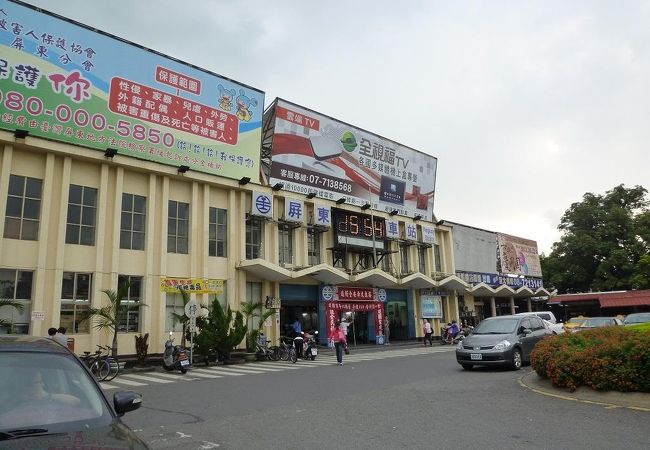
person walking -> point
(338, 337)
(427, 333)
(386, 330)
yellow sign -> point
(195, 285)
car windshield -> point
(637, 318)
(497, 326)
(577, 320)
(48, 392)
(597, 322)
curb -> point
(637, 401)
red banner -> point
(333, 313)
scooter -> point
(175, 356)
(446, 338)
(312, 350)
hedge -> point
(607, 358)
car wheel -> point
(516, 362)
(467, 366)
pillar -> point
(512, 305)
(530, 304)
(493, 307)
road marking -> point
(146, 378)
(242, 370)
(180, 377)
(127, 382)
(213, 373)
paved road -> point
(413, 398)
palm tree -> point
(251, 310)
(11, 303)
(108, 317)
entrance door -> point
(359, 329)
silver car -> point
(501, 341)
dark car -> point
(501, 341)
(48, 399)
(636, 318)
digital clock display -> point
(357, 229)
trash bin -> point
(71, 344)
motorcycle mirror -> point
(171, 334)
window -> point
(365, 261)
(23, 208)
(218, 232)
(15, 285)
(178, 221)
(254, 295)
(173, 305)
(404, 257)
(339, 259)
(436, 258)
(386, 261)
(75, 301)
(253, 238)
(313, 246)
(422, 258)
(285, 237)
(129, 319)
(132, 228)
(82, 207)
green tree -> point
(250, 311)
(182, 318)
(604, 245)
(108, 317)
(221, 331)
(13, 304)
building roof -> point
(607, 299)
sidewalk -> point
(638, 401)
(369, 348)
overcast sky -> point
(526, 105)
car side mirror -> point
(126, 401)
(526, 331)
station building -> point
(166, 176)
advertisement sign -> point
(492, 279)
(315, 152)
(518, 256)
(66, 82)
(195, 285)
(333, 311)
(431, 306)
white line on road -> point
(146, 378)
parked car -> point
(573, 323)
(546, 315)
(501, 341)
(596, 322)
(633, 319)
(49, 399)
(556, 328)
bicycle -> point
(103, 367)
(271, 353)
(287, 349)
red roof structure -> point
(606, 299)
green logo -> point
(349, 141)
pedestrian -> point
(51, 332)
(338, 337)
(386, 330)
(427, 333)
(60, 336)
(297, 327)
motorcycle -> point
(312, 350)
(446, 338)
(175, 357)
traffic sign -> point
(192, 309)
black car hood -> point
(112, 437)
(484, 340)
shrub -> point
(608, 358)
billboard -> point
(315, 153)
(67, 82)
(518, 256)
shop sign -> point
(492, 279)
(357, 294)
(272, 303)
(294, 210)
(431, 306)
(194, 285)
(67, 82)
(323, 216)
(333, 313)
(312, 152)
(392, 229)
(428, 235)
(38, 315)
(262, 205)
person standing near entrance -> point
(427, 333)
(339, 339)
(386, 330)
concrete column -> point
(530, 304)
(512, 305)
(493, 307)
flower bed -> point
(608, 358)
